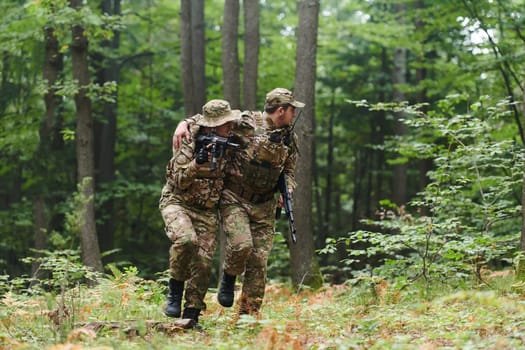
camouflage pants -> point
(249, 230)
(194, 238)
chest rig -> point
(205, 184)
(261, 164)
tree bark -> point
(105, 133)
(520, 265)
(4, 83)
(53, 65)
(230, 53)
(251, 54)
(186, 58)
(198, 54)
(326, 227)
(424, 164)
(85, 148)
(399, 181)
(522, 241)
(304, 266)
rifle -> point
(213, 144)
(287, 201)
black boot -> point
(191, 314)
(226, 290)
(174, 298)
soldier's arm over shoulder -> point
(244, 128)
(183, 131)
(193, 119)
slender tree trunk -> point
(186, 58)
(399, 183)
(522, 241)
(327, 227)
(5, 79)
(198, 54)
(358, 186)
(11, 192)
(379, 137)
(520, 264)
(85, 148)
(41, 221)
(251, 54)
(53, 65)
(424, 164)
(305, 269)
(230, 53)
(318, 206)
(368, 178)
(106, 133)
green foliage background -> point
(449, 40)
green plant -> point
(467, 217)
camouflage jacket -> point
(191, 184)
(267, 151)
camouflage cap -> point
(218, 112)
(280, 96)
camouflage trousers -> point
(194, 238)
(249, 230)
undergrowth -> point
(361, 314)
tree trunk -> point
(520, 265)
(522, 241)
(230, 53)
(251, 54)
(4, 83)
(186, 58)
(85, 147)
(399, 183)
(106, 133)
(359, 186)
(304, 266)
(424, 164)
(378, 137)
(53, 65)
(41, 220)
(328, 201)
(198, 39)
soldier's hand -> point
(280, 204)
(180, 133)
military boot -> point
(226, 290)
(191, 314)
(174, 298)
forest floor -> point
(127, 314)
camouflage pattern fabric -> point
(248, 207)
(188, 206)
(194, 237)
(249, 230)
(280, 97)
(186, 182)
(249, 199)
(217, 112)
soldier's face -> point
(224, 130)
(289, 114)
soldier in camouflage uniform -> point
(248, 200)
(188, 205)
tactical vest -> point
(206, 186)
(260, 165)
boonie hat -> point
(216, 113)
(281, 96)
